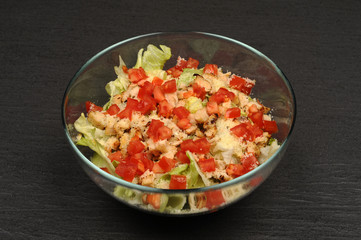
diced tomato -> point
(257, 118)
(132, 105)
(125, 69)
(169, 86)
(199, 91)
(140, 167)
(164, 109)
(270, 126)
(181, 112)
(235, 170)
(211, 68)
(164, 132)
(207, 165)
(222, 95)
(201, 146)
(214, 198)
(116, 156)
(181, 63)
(182, 157)
(247, 131)
(192, 63)
(212, 108)
(147, 105)
(92, 107)
(153, 129)
(113, 109)
(174, 72)
(158, 94)
(178, 182)
(105, 170)
(167, 164)
(136, 74)
(241, 84)
(249, 162)
(146, 90)
(127, 169)
(154, 199)
(184, 123)
(157, 81)
(135, 146)
(253, 108)
(157, 169)
(148, 164)
(233, 113)
(188, 94)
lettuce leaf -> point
(196, 177)
(187, 77)
(93, 138)
(153, 58)
(193, 104)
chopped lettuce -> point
(187, 77)
(193, 104)
(153, 58)
(176, 201)
(94, 138)
(196, 178)
(175, 171)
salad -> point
(181, 128)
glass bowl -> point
(272, 88)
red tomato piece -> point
(153, 129)
(241, 84)
(214, 198)
(135, 146)
(202, 146)
(181, 112)
(233, 112)
(178, 182)
(164, 109)
(158, 94)
(157, 169)
(174, 72)
(157, 81)
(154, 199)
(257, 118)
(184, 124)
(222, 95)
(136, 74)
(192, 63)
(146, 106)
(127, 169)
(253, 108)
(125, 69)
(167, 164)
(92, 107)
(116, 156)
(113, 109)
(235, 170)
(169, 86)
(212, 108)
(211, 68)
(188, 94)
(132, 105)
(247, 131)
(270, 126)
(188, 145)
(249, 162)
(164, 132)
(182, 157)
(199, 91)
(207, 165)
(146, 90)
(181, 63)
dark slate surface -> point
(314, 193)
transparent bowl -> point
(272, 88)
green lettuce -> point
(193, 104)
(93, 138)
(187, 77)
(153, 58)
(196, 178)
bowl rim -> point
(141, 188)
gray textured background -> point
(314, 193)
